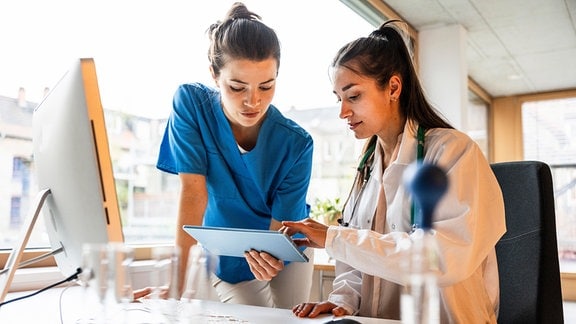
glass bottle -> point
(420, 299)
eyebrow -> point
(242, 82)
(346, 87)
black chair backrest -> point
(530, 289)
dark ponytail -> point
(381, 55)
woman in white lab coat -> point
(382, 100)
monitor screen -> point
(72, 160)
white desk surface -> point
(60, 305)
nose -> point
(252, 99)
(345, 112)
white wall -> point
(444, 72)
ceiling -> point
(514, 46)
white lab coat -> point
(468, 221)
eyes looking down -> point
(368, 108)
(247, 89)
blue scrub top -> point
(244, 190)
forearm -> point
(347, 288)
(193, 201)
(184, 241)
(275, 225)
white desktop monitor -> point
(72, 161)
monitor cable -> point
(70, 278)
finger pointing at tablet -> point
(315, 232)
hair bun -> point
(240, 11)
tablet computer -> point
(235, 241)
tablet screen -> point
(227, 241)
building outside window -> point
(137, 84)
(139, 66)
(21, 175)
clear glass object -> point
(198, 282)
(165, 306)
(420, 299)
(120, 280)
(94, 279)
(165, 273)
(107, 282)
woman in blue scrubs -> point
(240, 161)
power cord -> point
(70, 278)
(60, 301)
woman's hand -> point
(315, 309)
(263, 265)
(315, 232)
(142, 293)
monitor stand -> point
(13, 262)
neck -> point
(246, 137)
(388, 141)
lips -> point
(250, 114)
(353, 125)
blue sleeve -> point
(182, 149)
(290, 201)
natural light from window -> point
(143, 50)
(549, 129)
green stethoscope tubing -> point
(419, 159)
(362, 168)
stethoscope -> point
(365, 169)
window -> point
(549, 128)
(478, 121)
(139, 66)
(20, 191)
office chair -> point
(530, 290)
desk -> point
(48, 306)
(324, 265)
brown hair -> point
(241, 35)
(381, 55)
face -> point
(368, 109)
(247, 88)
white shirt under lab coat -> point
(468, 221)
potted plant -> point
(326, 210)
